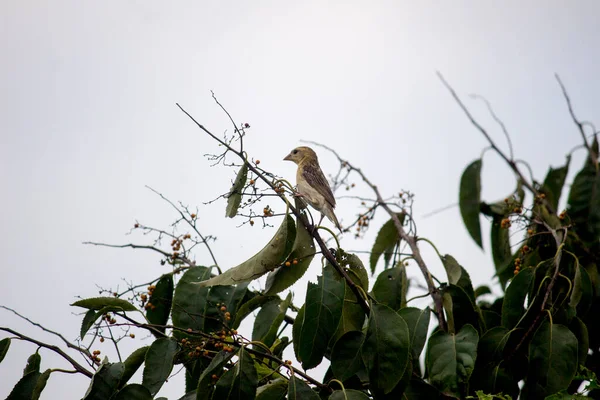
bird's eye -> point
(295, 151)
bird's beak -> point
(288, 157)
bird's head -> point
(300, 154)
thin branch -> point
(499, 121)
(315, 234)
(55, 349)
(511, 163)
(66, 342)
(575, 120)
(138, 246)
(410, 240)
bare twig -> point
(409, 239)
(78, 367)
(498, 121)
(138, 246)
(575, 120)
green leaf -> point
(386, 348)
(323, 310)
(554, 182)
(482, 290)
(134, 391)
(105, 381)
(464, 311)
(458, 276)
(579, 329)
(418, 325)
(552, 361)
(500, 243)
(159, 363)
(386, 237)
(249, 306)
(583, 291)
(391, 287)
(33, 363)
(513, 306)
(161, 299)
(584, 202)
(303, 252)
(299, 390)
(4, 345)
(269, 320)
(234, 198)
(470, 198)
(273, 390)
(348, 394)
(23, 390)
(190, 301)
(353, 315)
(269, 258)
(88, 320)
(239, 382)
(205, 383)
(346, 359)
(297, 331)
(133, 363)
(451, 358)
(40, 384)
(98, 303)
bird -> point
(311, 184)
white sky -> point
(88, 117)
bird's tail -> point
(328, 211)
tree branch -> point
(410, 240)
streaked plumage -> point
(311, 184)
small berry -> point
(101, 340)
(193, 216)
(257, 162)
(295, 261)
(223, 308)
(287, 263)
(288, 362)
(252, 182)
(251, 222)
(132, 335)
(136, 225)
(189, 330)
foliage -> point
(539, 339)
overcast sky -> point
(88, 118)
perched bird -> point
(311, 184)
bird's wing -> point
(315, 178)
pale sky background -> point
(88, 118)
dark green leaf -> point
(98, 303)
(458, 276)
(348, 394)
(161, 299)
(269, 320)
(159, 363)
(482, 290)
(579, 329)
(4, 345)
(500, 243)
(88, 320)
(299, 390)
(584, 202)
(386, 348)
(391, 287)
(269, 258)
(552, 361)
(451, 359)
(418, 324)
(133, 392)
(418, 389)
(190, 301)
(205, 383)
(33, 363)
(463, 310)
(513, 306)
(273, 390)
(235, 195)
(583, 291)
(554, 182)
(346, 358)
(133, 363)
(303, 252)
(239, 382)
(470, 198)
(105, 382)
(40, 384)
(250, 306)
(297, 331)
(23, 390)
(387, 237)
(323, 310)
